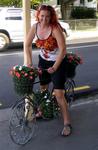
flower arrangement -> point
(23, 78)
(48, 44)
(72, 61)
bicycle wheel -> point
(21, 128)
(69, 91)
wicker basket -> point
(23, 87)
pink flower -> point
(17, 74)
(25, 74)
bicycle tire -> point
(21, 129)
(69, 91)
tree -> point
(65, 5)
(97, 5)
(15, 3)
(18, 3)
(66, 8)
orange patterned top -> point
(48, 44)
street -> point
(85, 79)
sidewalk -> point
(82, 37)
(84, 115)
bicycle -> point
(22, 123)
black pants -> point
(58, 77)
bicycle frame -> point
(20, 119)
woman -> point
(52, 51)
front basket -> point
(22, 87)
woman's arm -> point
(28, 46)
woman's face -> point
(44, 17)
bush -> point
(83, 12)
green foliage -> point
(18, 3)
(45, 104)
(15, 3)
(36, 3)
(90, 0)
(83, 12)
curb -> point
(82, 40)
(86, 93)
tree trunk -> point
(66, 8)
(66, 11)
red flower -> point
(17, 74)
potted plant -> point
(23, 78)
(72, 61)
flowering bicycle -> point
(22, 123)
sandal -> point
(67, 130)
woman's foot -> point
(67, 130)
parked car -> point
(11, 26)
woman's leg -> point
(64, 110)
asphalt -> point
(84, 116)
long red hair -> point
(53, 17)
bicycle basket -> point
(72, 61)
(70, 70)
(46, 105)
(23, 86)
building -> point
(86, 3)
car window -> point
(14, 10)
(13, 18)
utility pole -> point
(26, 17)
(26, 23)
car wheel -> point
(4, 41)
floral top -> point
(48, 44)
(48, 47)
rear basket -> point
(70, 70)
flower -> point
(23, 72)
(73, 59)
(23, 78)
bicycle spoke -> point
(21, 129)
(69, 91)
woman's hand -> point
(51, 70)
